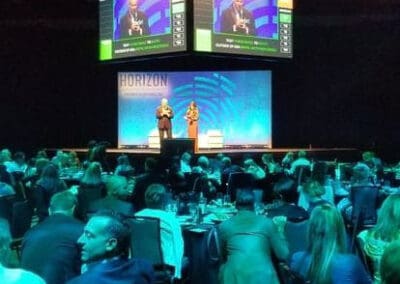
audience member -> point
(287, 160)
(361, 176)
(185, 161)
(390, 272)
(5, 186)
(246, 242)
(286, 206)
(118, 191)
(301, 161)
(203, 167)
(320, 174)
(12, 275)
(387, 230)
(91, 188)
(251, 167)
(313, 193)
(151, 175)
(171, 234)
(49, 249)
(326, 260)
(124, 167)
(48, 184)
(105, 248)
(270, 166)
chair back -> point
(239, 180)
(296, 236)
(6, 206)
(302, 173)
(146, 239)
(21, 219)
(365, 202)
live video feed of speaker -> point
(234, 107)
(245, 27)
(130, 28)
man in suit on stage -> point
(134, 22)
(164, 115)
(237, 20)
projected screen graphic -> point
(130, 28)
(247, 27)
(235, 107)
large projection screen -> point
(233, 104)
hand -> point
(280, 222)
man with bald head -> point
(164, 115)
(118, 191)
(134, 22)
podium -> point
(176, 146)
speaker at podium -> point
(177, 146)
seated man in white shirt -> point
(171, 233)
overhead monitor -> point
(132, 28)
(244, 27)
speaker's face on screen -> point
(238, 3)
(133, 5)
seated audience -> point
(185, 161)
(361, 176)
(49, 249)
(105, 248)
(312, 193)
(48, 185)
(246, 242)
(91, 188)
(320, 174)
(387, 230)
(124, 167)
(390, 272)
(118, 191)
(286, 206)
(301, 161)
(5, 186)
(326, 260)
(251, 167)
(12, 275)
(287, 160)
(203, 167)
(171, 233)
(18, 164)
(270, 166)
(143, 181)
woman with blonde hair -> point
(387, 230)
(325, 260)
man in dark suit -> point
(134, 22)
(118, 190)
(164, 114)
(237, 20)
(105, 249)
(49, 249)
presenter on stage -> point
(134, 22)
(237, 20)
(192, 118)
(164, 115)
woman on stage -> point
(192, 117)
